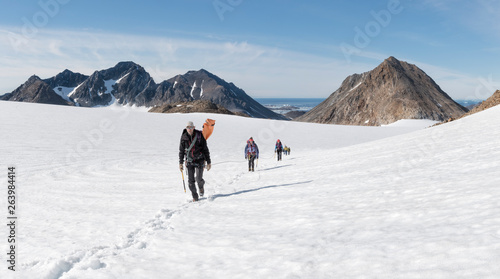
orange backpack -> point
(208, 128)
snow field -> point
(101, 196)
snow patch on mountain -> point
(64, 92)
(109, 86)
(192, 89)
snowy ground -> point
(99, 195)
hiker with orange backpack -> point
(194, 149)
(251, 153)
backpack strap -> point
(191, 146)
(189, 158)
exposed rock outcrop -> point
(194, 106)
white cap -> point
(190, 124)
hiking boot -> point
(202, 192)
(195, 199)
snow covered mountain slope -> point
(100, 196)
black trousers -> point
(251, 161)
(279, 154)
(195, 174)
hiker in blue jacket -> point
(251, 153)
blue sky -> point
(268, 48)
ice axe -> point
(184, 183)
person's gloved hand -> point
(209, 166)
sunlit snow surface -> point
(100, 195)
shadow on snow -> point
(256, 189)
(277, 167)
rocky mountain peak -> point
(35, 90)
(393, 64)
(199, 72)
(391, 61)
(392, 91)
(31, 80)
(66, 78)
(121, 69)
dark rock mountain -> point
(392, 91)
(124, 82)
(36, 91)
(66, 79)
(202, 85)
(92, 92)
(130, 84)
(194, 106)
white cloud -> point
(261, 71)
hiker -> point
(251, 153)
(278, 149)
(194, 148)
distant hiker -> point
(194, 148)
(285, 150)
(251, 153)
(278, 149)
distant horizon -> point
(263, 97)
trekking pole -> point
(257, 164)
(184, 183)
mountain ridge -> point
(128, 83)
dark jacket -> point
(198, 153)
(278, 147)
